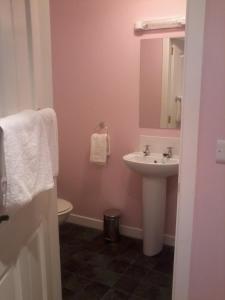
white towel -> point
(100, 148)
(50, 120)
(26, 157)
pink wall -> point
(208, 252)
(151, 62)
(96, 62)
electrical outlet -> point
(220, 152)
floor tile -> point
(132, 252)
(146, 261)
(97, 245)
(136, 272)
(65, 275)
(84, 270)
(93, 269)
(67, 294)
(158, 279)
(133, 297)
(127, 284)
(76, 283)
(94, 291)
(106, 277)
(118, 265)
(113, 294)
(100, 260)
(152, 292)
(82, 256)
(164, 267)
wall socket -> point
(220, 152)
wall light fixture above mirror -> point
(161, 82)
(161, 23)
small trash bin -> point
(111, 225)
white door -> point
(29, 261)
(29, 247)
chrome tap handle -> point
(170, 151)
(146, 150)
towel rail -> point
(101, 126)
(178, 99)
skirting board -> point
(129, 231)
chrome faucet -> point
(169, 153)
(146, 150)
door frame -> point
(189, 147)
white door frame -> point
(189, 146)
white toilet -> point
(64, 209)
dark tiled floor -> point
(93, 269)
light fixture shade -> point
(163, 23)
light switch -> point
(220, 152)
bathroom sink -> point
(154, 169)
(154, 165)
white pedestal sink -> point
(154, 169)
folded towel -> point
(50, 120)
(100, 148)
(26, 158)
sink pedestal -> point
(154, 208)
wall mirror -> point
(161, 82)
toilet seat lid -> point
(63, 206)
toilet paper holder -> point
(101, 126)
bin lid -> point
(111, 213)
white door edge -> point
(189, 146)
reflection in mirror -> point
(161, 82)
